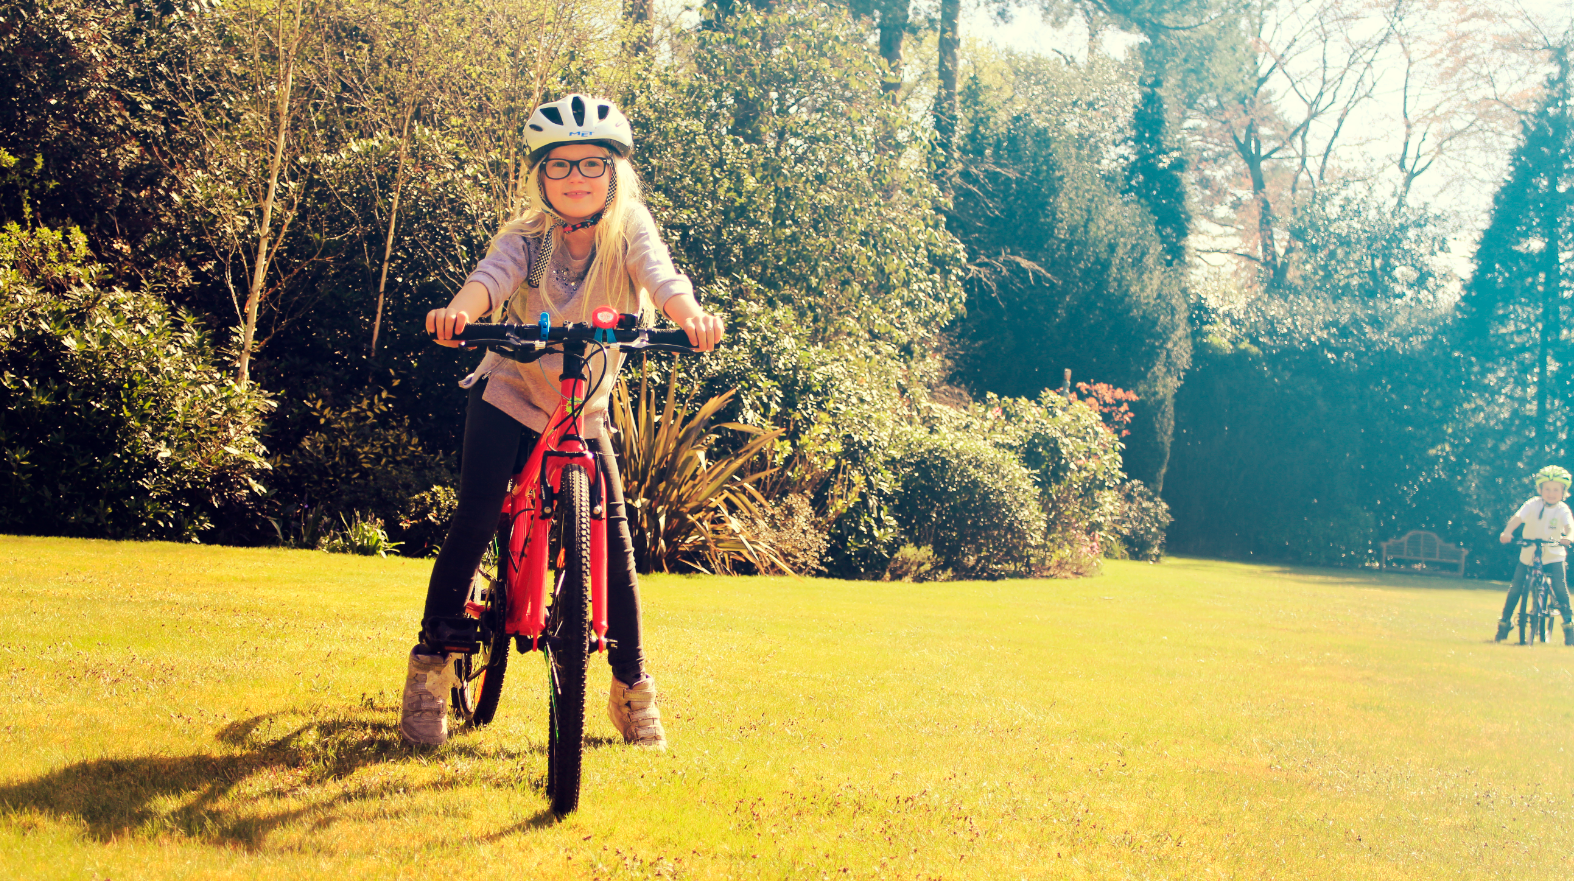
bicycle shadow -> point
(221, 798)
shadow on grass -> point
(223, 798)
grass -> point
(194, 712)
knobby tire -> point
(569, 629)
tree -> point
(98, 146)
(1315, 418)
(1066, 267)
(1514, 315)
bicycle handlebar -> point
(1532, 542)
(528, 336)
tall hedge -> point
(115, 419)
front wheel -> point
(1524, 614)
(568, 632)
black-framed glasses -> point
(590, 166)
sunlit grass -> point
(189, 712)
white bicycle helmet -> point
(575, 120)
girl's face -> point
(1552, 492)
(577, 196)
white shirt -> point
(1547, 522)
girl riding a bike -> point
(585, 240)
(1545, 517)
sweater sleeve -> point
(649, 262)
(503, 269)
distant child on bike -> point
(1547, 517)
(585, 240)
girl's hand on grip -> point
(445, 324)
(705, 330)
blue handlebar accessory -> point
(546, 325)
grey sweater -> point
(529, 392)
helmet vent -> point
(603, 110)
(577, 107)
(536, 128)
(552, 114)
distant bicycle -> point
(1536, 605)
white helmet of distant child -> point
(576, 120)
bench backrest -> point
(1422, 545)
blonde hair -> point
(607, 272)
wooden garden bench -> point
(1420, 546)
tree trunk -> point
(946, 67)
(1551, 300)
(265, 227)
(893, 29)
(393, 220)
(1250, 149)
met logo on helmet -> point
(580, 134)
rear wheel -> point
(568, 642)
(481, 674)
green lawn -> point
(194, 712)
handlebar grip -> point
(670, 338)
(474, 333)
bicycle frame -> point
(523, 564)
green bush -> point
(423, 523)
(359, 535)
(115, 420)
(973, 504)
(1140, 519)
(358, 459)
(1075, 461)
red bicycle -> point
(552, 530)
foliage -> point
(1075, 462)
(841, 405)
(791, 530)
(1140, 521)
(423, 523)
(973, 504)
(1112, 404)
(1313, 455)
(687, 509)
(766, 199)
(360, 535)
(114, 419)
(360, 456)
(1514, 318)
(1067, 268)
(99, 147)
(1314, 423)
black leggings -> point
(493, 446)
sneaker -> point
(424, 719)
(1503, 627)
(632, 708)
